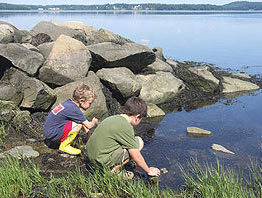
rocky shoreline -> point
(40, 68)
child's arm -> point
(88, 125)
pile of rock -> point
(40, 68)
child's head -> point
(135, 106)
(83, 94)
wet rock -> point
(68, 61)
(217, 147)
(159, 65)
(98, 108)
(21, 152)
(40, 38)
(161, 88)
(154, 111)
(235, 85)
(21, 57)
(197, 131)
(121, 81)
(131, 55)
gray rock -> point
(159, 53)
(68, 61)
(120, 80)
(10, 92)
(21, 57)
(45, 48)
(40, 38)
(154, 111)
(161, 88)
(234, 85)
(131, 55)
(21, 152)
(30, 47)
(37, 95)
(54, 31)
(217, 147)
(241, 75)
(159, 65)
(7, 110)
(196, 130)
(98, 108)
(172, 62)
(10, 34)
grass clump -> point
(220, 183)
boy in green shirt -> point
(113, 142)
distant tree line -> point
(239, 5)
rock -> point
(209, 84)
(6, 34)
(241, 75)
(30, 47)
(21, 152)
(76, 25)
(154, 111)
(45, 48)
(10, 34)
(198, 131)
(10, 92)
(54, 31)
(235, 85)
(40, 38)
(31, 140)
(131, 55)
(159, 65)
(161, 88)
(37, 95)
(159, 53)
(21, 57)
(104, 35)
(121, 81)
(217, 147)
(98, 108)
(7, 110)
(171, 62)
(68, 61)
(22, 120)
(164, 170)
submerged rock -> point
(197, 131)
(217, 147)
(21, 152)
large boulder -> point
(131, 55)
(209, 84)
(159, 65)
(98, 108)
(234, 85)
(45, 48)
(21, 57)
(161, 88)
(10, 34)
(68, 61)
(37, 95)
(54, 31)
(121, 81)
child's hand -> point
(94, 121)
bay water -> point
(227, 39)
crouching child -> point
(66, 120)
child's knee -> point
(76, 127)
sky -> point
(90, 2)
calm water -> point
(229, 40)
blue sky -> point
(86, 2)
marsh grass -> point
(218, 182)
(22, 178)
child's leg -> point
(71, 130)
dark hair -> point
(83, 92)
(135, 106)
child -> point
(114, 143)
(65, 121)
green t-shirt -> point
(111, 134)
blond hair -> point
(83, 92)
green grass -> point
(22, 178)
